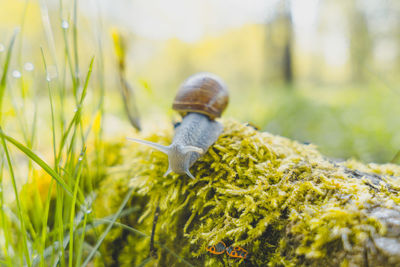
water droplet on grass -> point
(29, 66)
(16, 74)
(2, 48)
(64, 24)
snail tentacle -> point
(189, 174)
(168, 171)
(164, 149)
(187, 149)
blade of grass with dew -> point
(76, 118)
(104, 234)
(48, 33)
(82, 230)
(49, 251)
(59, 221)
(44, 226)
(65, 135)
(98, 136)
(72, 214)
(14, 184)
(82, 240)
(67, 54)
(78, 122)
(51, 111)
(75, 41)
(83, 96)
(107, 219)
(3, 80)
(70, 164)
(62, 83)
(38, 160)
(60, 224)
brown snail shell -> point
(203, 93)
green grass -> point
(43, 244)
(3, 81)
(23, 232)
(49, 228)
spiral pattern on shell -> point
(203, 93)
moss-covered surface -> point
(282, 201)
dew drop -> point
(88, 211)
(52, 72)
(64, 24)
(16, 74)
(75, 109)
(1, 47)
(80, 158)
(29, 66)
(48, 78)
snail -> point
(200, 100)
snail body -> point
(201, 98)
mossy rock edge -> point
(282, 201)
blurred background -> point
(325, 72)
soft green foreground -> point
(282, 201)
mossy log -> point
(280, 200)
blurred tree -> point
(279, 45)
(359, 39)
(396, 11)
(287, 66)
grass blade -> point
(44, 226)
(75, 120)
(4, 224)
(82, 240)
(89, 73)
(23, 231)
(110, 225)
(396, 158)
(38, 160)
(133, 230)
(75, 40)
(3, 80)
(72, 215)
(52, 112)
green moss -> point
(280, 200)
